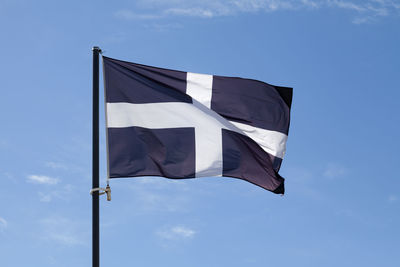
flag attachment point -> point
(102, 191)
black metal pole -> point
(95, 161)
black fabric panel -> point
(250, 102)
(286, 93)
(280, 189)
(137, 151)
(276, 163)
(245, 159)
(135, 83)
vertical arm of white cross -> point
(208, 139)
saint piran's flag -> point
(177, 124)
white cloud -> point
(192, 12)
(176, 232)
(129, 15)
(3, 224)
(348, 5)
(42, 179)
(311, 3)
(368, 11)
(266, 5)
(365, 11)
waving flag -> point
(177, 124)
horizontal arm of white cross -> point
(208, 127)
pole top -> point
(96, 48)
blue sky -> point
(342, 202)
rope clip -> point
(102, 191)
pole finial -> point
(96, 48)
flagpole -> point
(95, 161)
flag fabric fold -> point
(177, 124)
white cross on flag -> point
(178, 124)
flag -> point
(177, 124)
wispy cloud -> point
(56, 165)
(362, 20)
(311, 3)
(45, 197)
(129, 15)
(191, 12)
(348, 5)
(3, 143)
(153, 200)
(9, 176)
(303, 182)
(63, 231)
(3, 224)
(392, 198)
(176, 233)
(162, 27)
(264, 5)
(368, 11)
(63, 193)
(364, 11)
(66, 239)
(334, 170)
(153, 195)
(42, 179)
